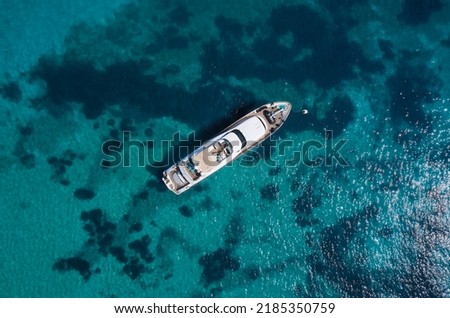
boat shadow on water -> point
(188, 143)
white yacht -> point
(232, 142)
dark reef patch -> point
(107, 239)
(84, 194)
(446, 42)
(140, 196)
(336, 263)
(26, 130)
(208, 204)
(101, 231)
(340, 114)
(124, 83)
(274, 171)
(134, 268)
(140, 247)
(60, 164)
(270, 192)
(303, 207)
(252, 272)
(336, 237)
(234, 232)
(119, 253)
(74, 81)
(28, 160)
(11, 91)
(136, 227)
(186, 211)
(292, 52)
(415, 12)
(79, 264)
(216, 264)
(306, 202)
(229, 29)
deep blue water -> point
(368, 218)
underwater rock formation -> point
(78, 264)
(417, 12)
(216, 264)
(270, 192)
(186, 211)
(84, 194)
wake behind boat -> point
(232, 142)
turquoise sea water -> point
(76, 74)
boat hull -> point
(235, 140)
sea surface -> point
(350, 198)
